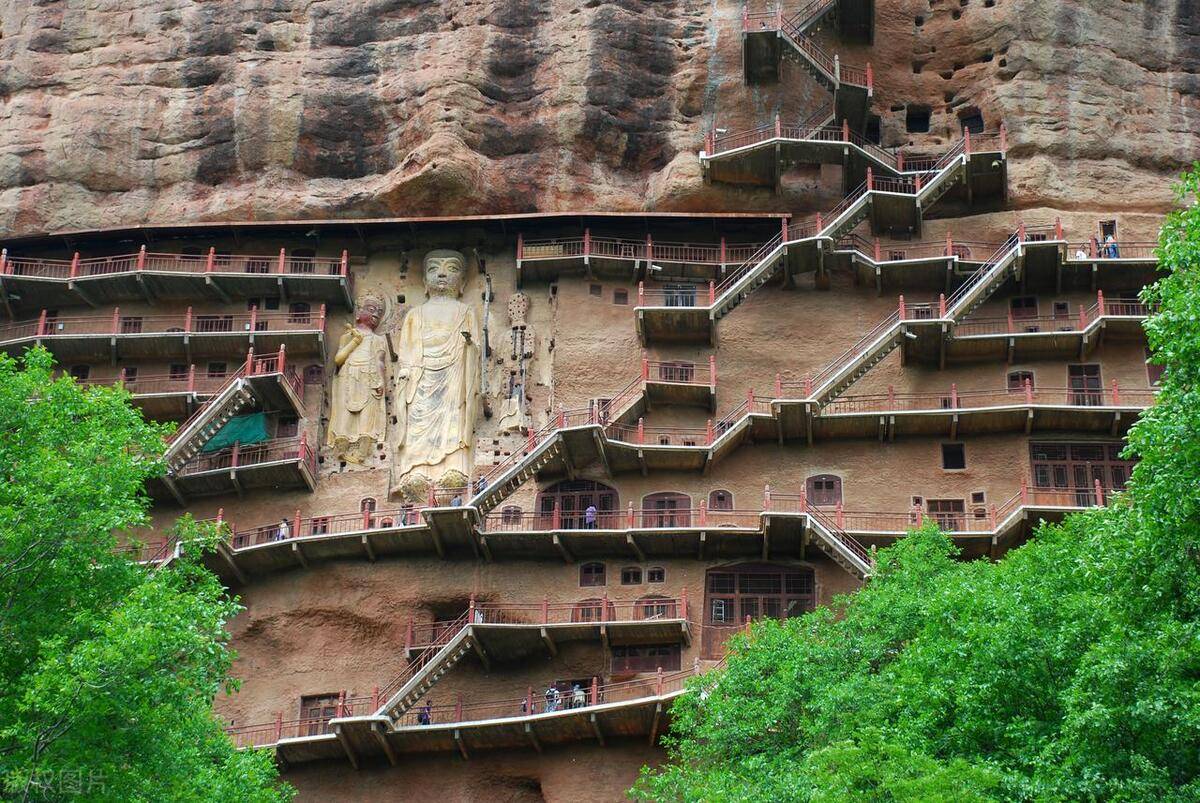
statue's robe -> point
(357, 408)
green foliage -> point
(107, 669)
(1069, 670)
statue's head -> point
(445, 272)
(370, 310)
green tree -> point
(107, 669)
(1069, 670)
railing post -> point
(375, 699)
(431, 500)
(920, 515)
(900, 161)
(712, 371)
(1021, 232)
(211, 261)
(75, 265)
(632, 519)
(282, 357)
(562, 417)
(649, 250)
(253, 319)
(282, 260)
(187, 321)
(992, 518)
(141, 258)
(712, 286)
(949, 244)
(341, 704)
(778, 126)
(587, 243)
(296, 524)
(249, 367)
(954, 395)
(967, 141)
(458, 708)
(1116, 394)
(1011, 323)
(321, 319)
(116, 321)
(703, 512)
(749, 400)
(1092, 247)
(278, 726)
(1003, 138)
(604, 609)
(870, 179)
(1083, 319)
(41, 329)
(903, 316)
(917, 184)
(778, 385)
(804, 499)
(837, 68)
(641, 294)
(545, 609)
(1028, 391)
(683, 600)
(891, 397)
(3, 261)
(840, 516)
(941, 305)
(820, 223)
(658, 685)
(529, 701)
(345, 265)
(595, 690)
(1024, 492)
(709, 432)
(1058, 229)
(645, 367)
(556, 516)
(236, 449)
(783, 229)
(408, 635)
(192, 378)
(845, 130)
(366, 518)
(724, 254)
(767, 496)
(641, 431)
(1100, 303)
(808, 385)
(870, 80)
(1099, 494)
(520, 246)
(471, 610)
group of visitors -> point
(559, 701)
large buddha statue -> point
(437, 383)
(357, 405)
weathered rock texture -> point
(164, 110)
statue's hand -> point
(403, 373)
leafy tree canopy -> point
(1069, 670)
(107, 669)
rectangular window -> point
(1017, 380)
(214, 323)
(129, 375)
(676, 372)
(954, 456)
(288, 427)
(620, 297)
(80, 373)
(216, 370)
(645, 658)
(177, 372)
(948, 513)
(1083, 384)
(1023, 306)
(595, 290)
(131, 325)
(680, 295)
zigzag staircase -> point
(426, 668)
(208, 420)
(842, 548)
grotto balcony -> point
(265, 383)
(768, 38)
(165, 397)
(933, 336)
(280, 464)
(613, 710)
(779, 528)
(113, 337)
(32, 283)
(507, 633)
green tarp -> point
(243, 429)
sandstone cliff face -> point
(165, 110)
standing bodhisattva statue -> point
(357, 407)
(437, 383)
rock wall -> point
(163, 110)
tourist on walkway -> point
(283, 531)
(578, 698)
(1110, 247)
(425, 713)
(552, 698)
(589, 517)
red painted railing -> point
(954, 399)
(145, 262)
(238, 456)
(116, 324)
(721, 253)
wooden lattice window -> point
(950, 514)
(645, 658)
(591, 574)
(824, 489)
